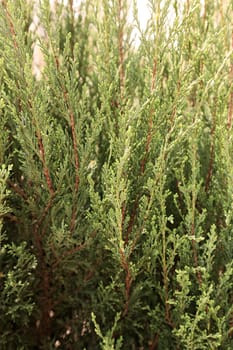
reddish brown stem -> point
(131, 220)
(167, 305)
(46, 304)
(43, 160)
(154, 71)
(45, 297)
(166, 295)
(154, 343)
(40, 142)
(11, 217)
(128, 282)
(11, 25)
(17, 189)
(46, 210)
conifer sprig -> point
(116, 176)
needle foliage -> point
(116, 196)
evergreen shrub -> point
(116, 196)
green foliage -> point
(116, 177)
(17, 267)
(108, 342)
(17, 296)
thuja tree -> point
(116, 177)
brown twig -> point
(46, 210)
(17, 189)
(167, 305)
(45, 299)
(45, 296)
(11, 25)
(154, 343)
(39, 138)
(43, 160)
(131, 220)
(128, 282)
(11, 217)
